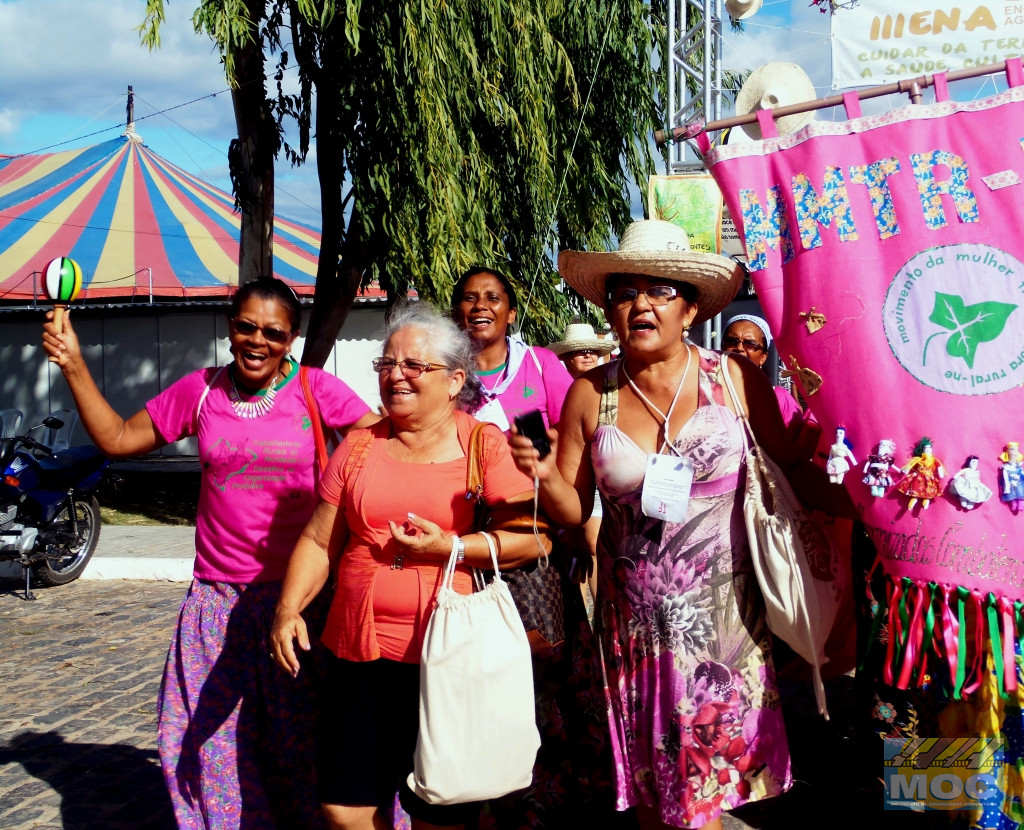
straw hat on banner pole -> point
(742, 9)
(775, 85)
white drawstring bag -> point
(801, 606)
(478, 733)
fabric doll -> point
(1011, 477)
(879, 466)
(966, 485)
(922, 475)
(840, 459)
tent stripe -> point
(54, 170)
(216, 250)
(57, 230)
(114, 262)
(158, 241)
(119, 209)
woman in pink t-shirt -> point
(393, 504)
(235, 733)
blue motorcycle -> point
(49, 516)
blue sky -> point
(65, 66)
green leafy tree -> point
(458, 133)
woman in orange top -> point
(393, 502)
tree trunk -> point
(343, 253)
(254, 153)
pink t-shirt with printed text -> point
(258, 487)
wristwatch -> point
(460, 556)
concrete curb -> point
(147, 552)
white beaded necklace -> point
(257, 407)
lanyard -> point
(666, 442)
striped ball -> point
(62, 279)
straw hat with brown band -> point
(655, 248)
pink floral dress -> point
(696, 726)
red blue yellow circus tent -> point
(137, 224)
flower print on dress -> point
(765, 732)
(883, 711)
(669, 609)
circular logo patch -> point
(953, 317)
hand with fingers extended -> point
(528, 458)
(61, 346)
(421, 538)
(288, 630)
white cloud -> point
(66, 66)
(78, 58)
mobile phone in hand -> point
(531, 424)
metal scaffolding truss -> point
(695, 71)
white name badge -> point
(492, 413)
(666, 491)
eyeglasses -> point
(585, 353)
(656, 295)
(247, 329)
(748, 345)
(409, 368)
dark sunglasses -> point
(247, 329)
(408, 368)
(585, 353)
(748, 345)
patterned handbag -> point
(537, 588)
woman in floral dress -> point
(693, 706)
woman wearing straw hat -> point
(581, 349)
(695, 721)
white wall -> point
(133, 355)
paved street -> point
(79, 675)
(80, 672)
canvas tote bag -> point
(478, 734)
(788, 549)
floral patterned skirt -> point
(236, 732)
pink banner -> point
(904, 231)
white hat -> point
(742, 9)
(655, 248)
(775, 85)
(760, 322)
(581, 336)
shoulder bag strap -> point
(536, 361)
(314, 418)
(475, 463)
(740, 413)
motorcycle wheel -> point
(73, 560)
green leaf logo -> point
(969, 324)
